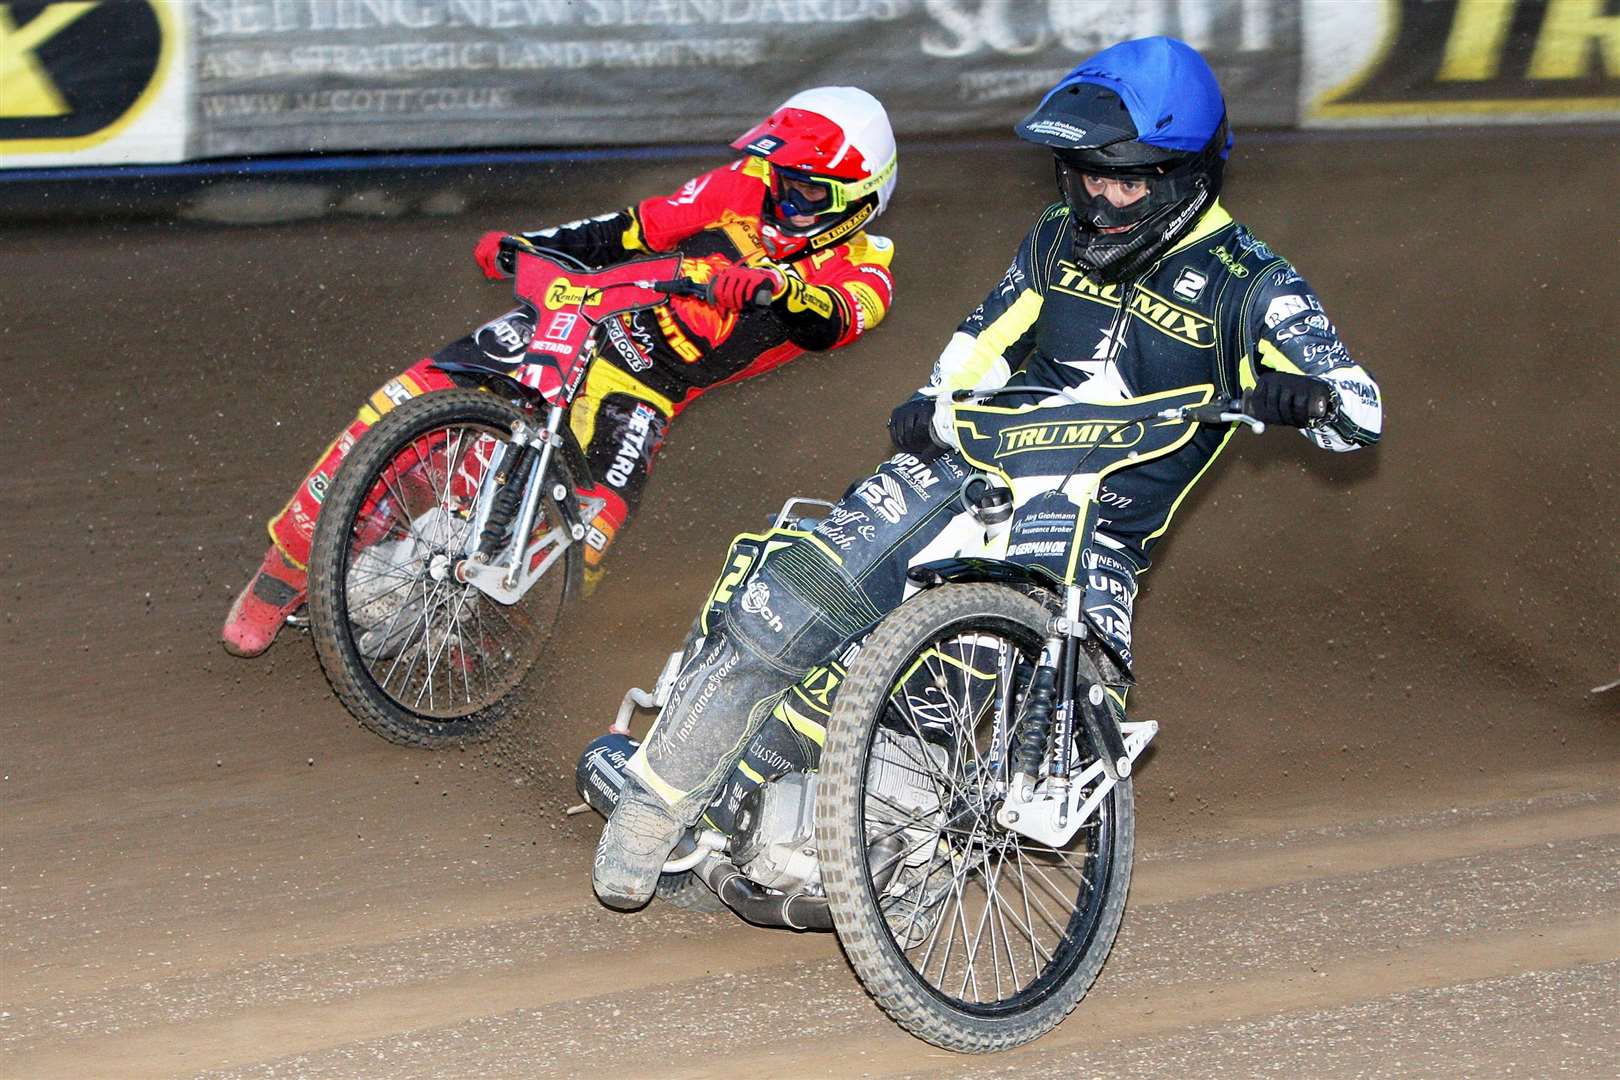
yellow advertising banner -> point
(1398, 62)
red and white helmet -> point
(832, 168)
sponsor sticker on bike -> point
(561, 327)
(757, 601)
(504, 338)
(627, 347)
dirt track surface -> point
(1378, 835)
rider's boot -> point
(608, 510)
(635, 843)
(276, 590)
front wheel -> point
(415, 655)
(972, 937)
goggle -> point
(1076, 180)
(802, 194)
(1138, 190)
(1164, 182)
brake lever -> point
(1214, 414)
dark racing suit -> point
(759, 673)
(652, 363)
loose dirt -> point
(1377, 834)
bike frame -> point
(570, 306)
(1025, 447)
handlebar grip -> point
(1211, 414)
(684, 287)
(507, 249)
(762, 296)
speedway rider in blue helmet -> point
(1136, 282)
(1139, 280)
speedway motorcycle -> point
(450, 540)
(967, 827)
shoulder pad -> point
(1053, 220)
(866, 248)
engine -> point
(774, 842)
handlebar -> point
(679, 286)
(511, 243)
(1218, 412)
(703, 290)
(1215, 413)
(1321, 408)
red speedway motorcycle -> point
(450, 540)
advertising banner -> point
(1405, 62)
(293, 75)
(133, 81)
(86, 83)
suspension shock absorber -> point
(505, 503)
(1034, 730)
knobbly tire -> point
(1007, 962)
(422, 660)
(686, 890)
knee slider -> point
(797, 606)
(765, 614)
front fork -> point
(1044, 798)
(504, 579)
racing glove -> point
(488, 256)
(1290, 400)
(736, 287)
(911, 426)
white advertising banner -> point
(87, 82)
(276, 76)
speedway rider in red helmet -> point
(790, 215)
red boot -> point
(276, 590)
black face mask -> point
(1175, 198)
(1115, 257)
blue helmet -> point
(1149, 112)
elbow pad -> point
(597, 241)
(814, 315)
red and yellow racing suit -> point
(651, 364)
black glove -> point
(1289, 400)
(911, 426)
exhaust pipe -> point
(795, 911)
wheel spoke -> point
(429, 645)
(1001, 920)
(986, 917)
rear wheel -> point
(972, 937)
(415, 655)
(686, 890)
